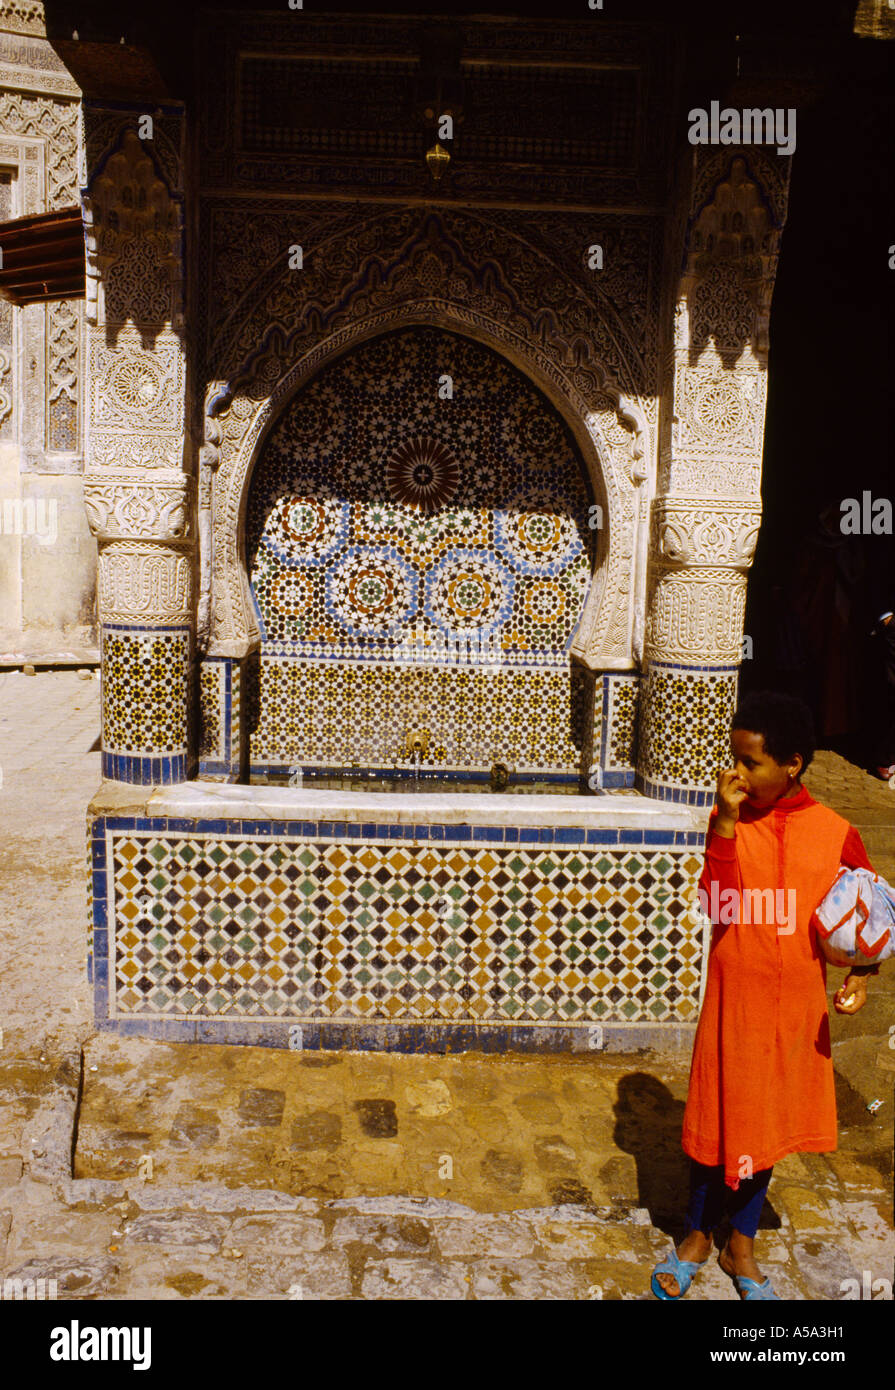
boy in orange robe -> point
(761, 1079)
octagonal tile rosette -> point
(469, 591)
(537, 534)
(545, 602)
(306, 530)
(371, 591)
(315, 429)
(423, 473)
(530, 432)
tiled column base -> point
(685, 730)
(146, 703)
(220, 699)
(233, 914)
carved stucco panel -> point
(394, 257)
(125, 506)
(133, 217)
(688, 531)
(39, 144)
(715, 379)
(696, 616)
(718, 410)
(102, 130)
(54, 124)
(24, 16)
(63, 375)
(136, 397)
(144, 583)
(136, 387)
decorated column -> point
(138, 492)
(707, 510)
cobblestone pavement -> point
(219, 1172)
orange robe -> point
(761, 1078)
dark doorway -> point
(813, 592)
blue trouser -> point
(709, 1197)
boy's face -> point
(765, 779)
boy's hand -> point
(851, 996)
(731, 792)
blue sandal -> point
(681, 1270)
(752, 1291)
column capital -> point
(121, 506)
(703, 532)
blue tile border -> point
(721, 668)
(143, 771)
(614, 779)
(681, 796)
(147, 630)
(527, 836)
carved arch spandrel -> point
(235, 436)
(392, 257)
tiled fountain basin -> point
(325, 919)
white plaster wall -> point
(10, 546)
(59, 577)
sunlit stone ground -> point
(246, 1172)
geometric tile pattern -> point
(427, 924)
(376, 502)
(220, 682)
(212, 711)
(311, 712)
(615, 708)
(622, 695)
(146, 703)
(385, 515)
(685, 730)
(145, 683)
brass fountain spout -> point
(416, 742)
(500, 776)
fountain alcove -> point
(414, 822)
(421, 577)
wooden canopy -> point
(42, 257)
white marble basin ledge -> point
(222, 801)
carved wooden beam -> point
(42, 257)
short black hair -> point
(784, 721)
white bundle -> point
(855, 922)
